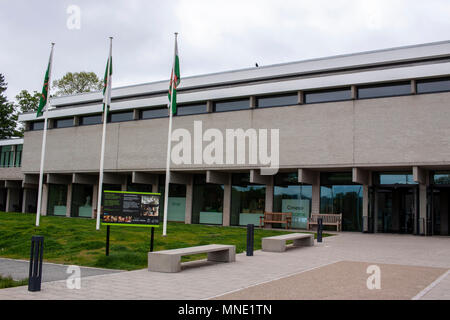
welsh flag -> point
(174, 81)
(107, 83)
(45, 88)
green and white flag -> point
(107, 83)
(174, 81)
(45, 88)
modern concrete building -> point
(366, 135)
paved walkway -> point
(204, 280)
(19, 269)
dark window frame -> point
(32, 124)
(292, 94)
(430, 80)
(90, 116)
(191, 105)
(341, 89)
(141, 113)
(381, 85)
(55, 123)
(110, 116)
(230, 101)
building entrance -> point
(397, 209)
(438, 214)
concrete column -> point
(209, 106)
(44, 203)
(94, 199)
(413, 87)
(227, 201)
(252, 102)
(315, 201)
(69, 200)
(354, 93)
(269, 195)
(365, 205)
(300, 97)
(24, 200)
(189, 198)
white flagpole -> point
(105, 118)
(44, 141)
(169, 145)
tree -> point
(8, 114)
(27, 102)
(77, 82)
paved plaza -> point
(411, 268)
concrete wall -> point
(384, 131)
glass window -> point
(63, 123)
(121, 116)
(277, 101)
(232, 105)
(92, 119)
(57, 200)
(177, 200)
(346, 200)
(37, 125)
(433, 85)
(290, 196)
(247, 201)
(441, 178)
(18, 157)
(384, 90)
(332, 178)
(154, 113)
(328, 95)
(394, 178)
(191, 109)
(207, 206)
(81, 200)
(7, 156)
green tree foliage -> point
(77, 82)
(8, 114)
(27, 102)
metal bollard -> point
(250, 239)
(319, 229)
(35, 275)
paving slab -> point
(19, 269)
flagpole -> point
(105, 118)
(44, 141)
(169, 145)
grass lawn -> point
(75, 240)
(8, 282)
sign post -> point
(133, 209)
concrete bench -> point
(278, 243)
(170, 260)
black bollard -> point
(319, 229)
(35, 275)
(250, 239)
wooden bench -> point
(278, 243)
(328, 219)
(276, 217)
(170, 260)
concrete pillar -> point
(189, 199)
(269, 195)
(69, 199)
(44, 203)
(24, 200)
(209, 106)
(252, 102)
(354, 93)
(227, 201)
(315, 201)
(94, 199)
(300, 97)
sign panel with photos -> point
(131, 208)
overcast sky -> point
(214, 35)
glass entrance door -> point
(397, 209)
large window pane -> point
(191, 109)
(93, 119)
(121, 116)
(37, 125)
(81, 200)
(207, 203)
(433, 85)
(177, 200)
(387, 90)
(346, 200)
(63, 123)
(18, 157)
(328, 95)
(232, 105)
(290, 196)
(154, 113)
(394, 178)
(57, 200)
(6, 156)
(247, 201)
(441, 178)
(277, 101)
